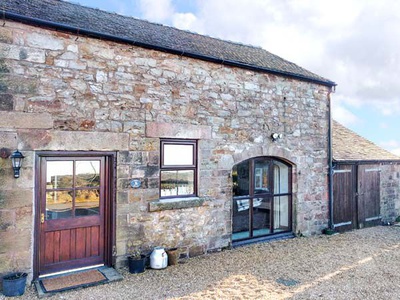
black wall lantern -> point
(16, 159)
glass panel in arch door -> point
(241, 218)
(241, 179)
(281, 178)
(281, 213)
(261, 216)
(261, 177)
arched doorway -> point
(262, 198)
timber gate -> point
(356, 196)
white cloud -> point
(392, 146)
(156, 10)
(396, 151)
(186, 21)
(344, 116)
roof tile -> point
(349, 146)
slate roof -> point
(349, 146)
(68, 16)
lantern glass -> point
(16, 160)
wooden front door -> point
(74, 206)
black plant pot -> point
(328, 231)
(14, 284)
(137, 265)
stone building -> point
(366, 182)
(138, 135)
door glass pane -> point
(87, 202)
(177, 183)
(241, 179)
(240, 222)
(59, 174)
(281, 213)
(261, 216)
(58, 204)
(88, 173)
(261, 177)
(281, 178)
(178, 155)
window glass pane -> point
(87, 173)
(178, 155)
(261, 177)
(281, 178)
(87, 202)
(58, 204)
(59, 174)
(241, 180)
(177, 183)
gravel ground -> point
(363, 264)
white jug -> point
(158, 258)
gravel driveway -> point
(363, 264)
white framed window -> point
(178, 168)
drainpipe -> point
(330, 165)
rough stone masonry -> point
(60, 91)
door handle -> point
(42, 218)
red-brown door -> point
(73, 198)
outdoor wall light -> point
(16, 159)
(276, 136)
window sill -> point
(176, 203)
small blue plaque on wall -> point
(136, 183)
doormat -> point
(72, 281)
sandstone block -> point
(7, 219)
(8, 140)
(24, 53)
(44, 41)
(5, 35)
(11, 198)
(169, 130)
(25, 120)
(6, 102)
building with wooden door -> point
(366, 182)
(136, 135)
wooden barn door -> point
(344, 202)
(368, 196)
(74, 202)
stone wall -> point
(390, 191)
(64, 92)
